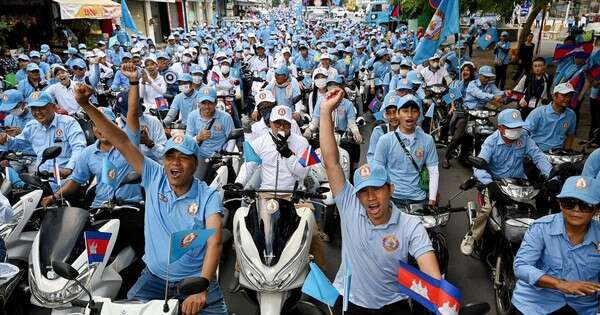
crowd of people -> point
(303, 71)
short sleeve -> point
(214, 204)
(81, 171)
(150, 172)
(419, 243)
(432, 155)
(572, 124)
(133, 136)
(347, 203)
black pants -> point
(501, 76)
(595, 112)
(458, 125)
(398, 308)
(565, 310)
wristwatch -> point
(151, 145)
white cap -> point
(151, 58)
(320, 70)
(563, 88)
(435, 56)
(188, 51)
(220, 54)
(281, 112)
(325, 56)
(100, 54)
(90, 54)
(135, 50)
(264, 96)
(285, 50)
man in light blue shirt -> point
(120, 82)
(483, 90)
(390, 113)
(592, 165)
(286, 91)
(184, 102)
(504, 151)
(116, 54)
(47, 55)
(23, 61)
(36, 58)
(375, 233)
(33, 82)
(553, 126)
(558, 264)
(14, 103)
(501, 59)
(304, 61)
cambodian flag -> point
(595, 71)
(515, 96)
(577, 82)
(161, 102)
(309, 157)
(443, 23)
(438, 296)
(96, 244)
(582, 50)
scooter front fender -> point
(271, 303)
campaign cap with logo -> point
(370, 175)
(182, 143)
(584, 188)
(510, 118)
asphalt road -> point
(470, 275)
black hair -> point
(539, 59)
(410, 103)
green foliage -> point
(411, 9)
(5, 29)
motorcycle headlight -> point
(561, 159)
(519, 193)
(68, 293)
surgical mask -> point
(185, 88)
(152, 50)
(186, 45)
(224, 69)
(83, 51)
(17, 111)
(238, 55)
(434, 64)
(320, 83)
(197, 79)
(404, 72)
(347, 60)
(513, 134)
(395, 67)
(204, 51)
(186, 59)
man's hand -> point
(332, 100)
(523, 103)
(284, 149)
(296, 116)
(3, 137)
(357, 137)
(432, 202)
(65, 172)
(581, 288)
(254, 116)
(5, 163)
(129, 70)
(13, 132)
(307, 133)
(193, 304)
(144, 138)
(145, 78)
(203, 135)
(47, 201)
(497, 98)
(83, 93)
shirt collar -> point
(558, 228)
(192, 193)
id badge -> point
(532, 102)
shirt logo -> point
(218, 127)
(581, 184)
(192, 208)
(515, 115)
(112, 173)
(565, 125)
(162, 198)
(188, 239)
(390, 243)
(488, 37)
(5, 98)
(58, 133)
(178, 139)
(419, 153)
(281, 112)
(35, 95)
(262, 95)
(519, 143)
(365, 171)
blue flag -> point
(126, 19)
(250, 155)
(109, 173)
(444, 22)
(319, 287)
(185, 240)
(485, 40)
(453, 94)
(430, 110)
(347, 283)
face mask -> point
(395, 67)
(347, 60)
(186, 45)
(204, 51)
(186, 59)
(224, 69)
(513, 134)
(17, 111)
(83, 51)
(434, 64)
(197, 79)
(320, 83)
(152, 50)
(404, 72)
(238, 55)
(185, 88)
(246, 51)
(134, 40)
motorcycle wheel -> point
(503, 290)
(440, 247)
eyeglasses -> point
(571, 203)
(78, 68)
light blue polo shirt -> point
(375, 136)
(220, 130)
(478, 95)
(373, 251)
(343, 114)
(592, 165)
(546, 250)
(183, 105)
(403, 173)
(548, 128)
(166, 214)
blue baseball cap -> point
(510, 118)
(127, 55)
(349, 50)
(182, 143)
(409, 101)
(381, 52)
(34, 54)
(405, 62)
(413, 77)
(196, 69)
(504, 33)
(108, 113)
(390, 101)
(44, 48)
(584, 188)
(39, 99)
(78, 63)
(404, 84)
(486, 71)
(186, 77)
(10, 99)
(207, 94)
(283, 70)
(72, 50)
(335, 79)
(396, 59)
(370, 175)
(33, 67)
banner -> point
(88, 9)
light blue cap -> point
(34, 54)
(504, 33)
(283, 70)
(182, 143)
(78, 63)
(10, 99)
(370, 175)
(336, 79)
(72, 50)
(405, 62)
(108, 113)
(381, 52)
(389, 101)
(349, 50)
(584, 188)
(39, 99)
(486, 71)
(33, 67)
(510, 118)
(185, 77)
(408, 101)
(44, 48)
(396, 59)
(404, 84)
(207, 94)
(196, 69)
(127, 55)
(162, 55)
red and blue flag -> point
(582, 50)
(96, 244)
(595, 71)
(577, 82)
(515, 96)
(438, 296)
(309, 157)
(161, 102)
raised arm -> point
(329, 150)
(129, 70)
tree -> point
(536, 8)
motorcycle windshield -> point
(271, 226)
(61, 230)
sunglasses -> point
(571, 203)
(78, 68)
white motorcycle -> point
(272, 240)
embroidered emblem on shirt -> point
(365, 171)
(192, 208)
(262, 96)
(112, 173)
(565, 125)
(519, 143)
(419, 153)
(5, 98)
(218, 127)
(178, 139)
(390, 243)
(58, 133)
(581, 184)
(188, 239)
(162, 198)
(35, 95)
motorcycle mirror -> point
(236, 134)
(468, 184)
(192, 286)
(475, 309)
(322, 190)
(478, 162)
(51, 153)
(64, 270)
(360, 121)
(131, 178)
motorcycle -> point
(98, 305)
(272, 239)
(226, 103)
(437, 125)
(505, 229)
(479, 127)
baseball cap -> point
(404, 84)
(349, 50)
(100, 54)
(171, 37)
(162, 55)
(82, 46)
(408, 101)
(264, 96)
(434, 57)
(281, 112)
(57, 67)
(10, 99)
(33, 67)
(325, 56)
(510, 118)
(196, 69)
(185, 77)
(44, 48)
(71, 50)
(563, 88)
(207, 94)
(78, 63)
(584, 188)
(34, 54)
(283, 70)
(405, 62)
(150, 58)
(396, 59)
(108, 113)
(370, 175)
(392, 100)
(504, 33)
(23, 57)
(486, 71)
(335, 79)
(285, 50)
(182, 143)
(127, 55)
(39, 99)
(321, 71)
(381, 52)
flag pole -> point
(166, 305)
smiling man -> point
(175, 201)
(375, 233)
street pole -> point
(539, 41)
(185, 16)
